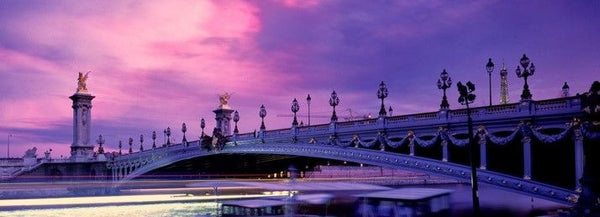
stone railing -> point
(525, 109)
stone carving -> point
(30, 153)
(81, 87)
(224, 100)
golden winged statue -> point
(224, 100)
(81, 88)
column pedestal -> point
(81, 149)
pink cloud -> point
(300, 3)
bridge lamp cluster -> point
(141, 142)
(153, 139)
(183, 130)
(382, 93)
(236, 118)
(295, 108)
(262, 113)
(334, 100)
(443, 83)
(100, 142)
(527, 71)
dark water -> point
(494, 202)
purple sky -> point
(160, 63)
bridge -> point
(521, 147)
(544, 148)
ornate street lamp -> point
(236, 118)
(334, 101)
(130, 145)
(141, 142)
(382, 93)
(153, 139)
(527, 71)
(120, 146)
(183, 130)
(202, 125)
(444, 84)
(308, 99)
(490, 68)
(100, 141)
(466, 97)
(390, 111)
(295, 108)
(262, 113)
(168, 132)
(565, 90)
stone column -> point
(411, 145)
(223, 118)
(444, 150)
(526, 156)
(81, 149)
(482, 150)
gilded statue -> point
(81, 88)
(224, 100)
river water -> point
(494, 202)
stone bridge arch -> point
(128, 170)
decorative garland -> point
(590, 135)
(502, 140)
(393, 144)
(427, 143)
(550, 138)
(358, 142)
(458, 142)
(442, 135)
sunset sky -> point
(160, 63)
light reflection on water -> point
(164, 209)
(493, 201)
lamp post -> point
(168, 132)
(382, 93)
(334, 101)
(443, 83)
(100, 141)
(183, 130)
(141, 142)
(202, 125)
(527, 71)
(120, 146)
(130, 145)
(490, 68)
(295, 108)
(466, 97)
(236, 118)
(153, 139)
(262, 113)
(390, 111)
(308, 99)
